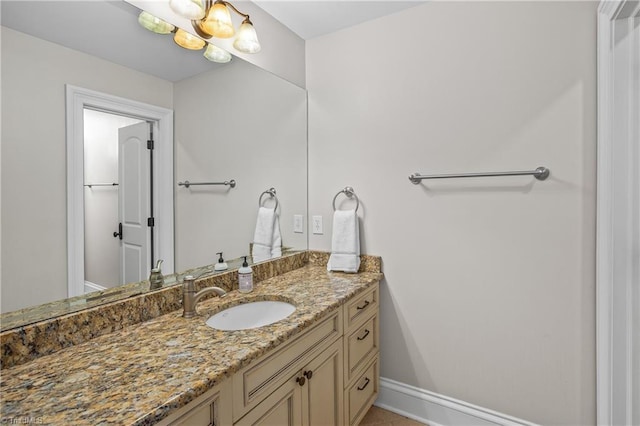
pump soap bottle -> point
(221, 265)
(245, 277)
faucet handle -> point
(158, 264)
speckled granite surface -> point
(367, 263)
(34, 332)
(290, 260)
(46, 336)
(142, 372)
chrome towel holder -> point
(186, 183)
(350, 193)
(541, 173)
(272, 193)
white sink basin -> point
(250, 315)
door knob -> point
(301, 380)
(119, 233)
(308, 374)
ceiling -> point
(125, 42)
(313, 18)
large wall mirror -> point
(231, 121)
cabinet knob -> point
(308, 374)
(301, 381)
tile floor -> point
(379, 417)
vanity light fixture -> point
(209, 19)
(217, 23)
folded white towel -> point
(266, 238)
(345, 242)
(276, 240)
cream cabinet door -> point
(282, 408)
(323, 390)
(213, 408)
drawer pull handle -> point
(308, 374)
(364, 336)
(301, 380)
(364, 305)
(366, 382)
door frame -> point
(77, 99)
(617, 234)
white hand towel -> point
(345, 242)
(276, 240)
(263, 235)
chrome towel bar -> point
(90, 185)
(541, 173)
(186, 183)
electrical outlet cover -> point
(298, 224)
(317, 225)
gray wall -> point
(488, 294)
(34, 204)
(251, 126)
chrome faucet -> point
(190, 298)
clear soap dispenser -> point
(221, 265)
(245, 277)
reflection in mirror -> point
(232, 121)
(105, 262)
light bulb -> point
(247, 40)
(215, 54)
(190, 9)
(218, 22)
(188, 41)
(154, 24)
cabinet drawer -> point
(361, 345)
(361, 307)
(261, 377)
(362, 394)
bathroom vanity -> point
(317, 366)
(326, 375)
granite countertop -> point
(141, 373)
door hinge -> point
(151, 222)
(150, 144)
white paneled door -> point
(134, 202)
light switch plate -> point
(317, 225)
(298, 224)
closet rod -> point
(541, 173)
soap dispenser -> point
(245, 277)
(155, 278)
(221, 265)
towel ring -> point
(271, 192)
(348, 191)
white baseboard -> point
(89, 287)
(437, 410)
